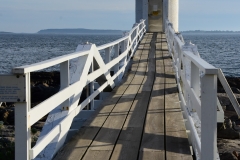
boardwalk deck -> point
(141, 119)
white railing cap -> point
(201, 64)
(47, 63)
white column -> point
(138, 10)
(173, 13)
(145, 12)
(165, 13)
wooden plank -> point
(104, 142)
(135, 118)
(152, 145)
(78, 145)
(127, 146)
(177, 146)
(108, 134)
(129, 140)
(153, 136)
(151, 154)
(117, 130)
(120, 89)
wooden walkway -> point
(142, 118)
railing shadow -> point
(127, 140)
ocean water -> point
(23, 49)
(221, 50)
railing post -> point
(195, 79)
(91, 86)
(116, 67)
(208, 117)
(107, 55)
(64, 80)
(22, 125)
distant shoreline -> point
(83, 31)
(201, 31)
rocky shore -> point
(229, 132)
(45, 84)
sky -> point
(30, 16)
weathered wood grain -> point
(177, 146)
(142, 118)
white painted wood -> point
(47, 63)
(165, 13)
(116, 60)
(44, 142)
(194, 135)
(195, 105)
(76, 70)
(48, 105)
(201, 64)
(105, 70)
(198, 99)
(116, 67)
(64, 80)
(63, 106)
(112, 43)
(107, 55)
(220, 112)
(56, 115)
(60, 59)
(91, 86)
(22, 126)
(173, 9)
(209, 117)
(195, 79)
(22, 132)
(94, 75)
(145, 12)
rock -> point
(235, 154)
(230, 107)
(235, 90)
(7, 148)
(223, 98)
(42, 91)
(228, 123)
(228, 156)
(38, 125)
(228, 133)
(236, 127)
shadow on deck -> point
(141, 118)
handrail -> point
(63, 106)
(47, 63)
(196, 80)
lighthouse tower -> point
(156, 12)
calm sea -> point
(22, 49)
(221, 50)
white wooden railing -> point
(77, 70)
(197, 84)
